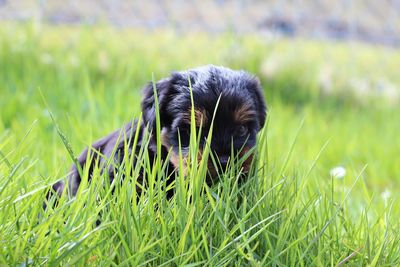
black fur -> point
(235, 89)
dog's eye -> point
(242, 130)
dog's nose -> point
(223, 160)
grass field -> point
(330, 104)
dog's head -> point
(240, 113)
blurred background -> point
(369, 21)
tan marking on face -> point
(175, 161)
(243, 114)
(174, 156)
(247, 163)
(200, 116)
(199, 155)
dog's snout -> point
(223, 160)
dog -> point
(239, 116)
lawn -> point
(329, 105)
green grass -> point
(289, 212)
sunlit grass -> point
(290, 211)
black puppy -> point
(240, 115)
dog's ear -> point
(260, 102)
(164, 91)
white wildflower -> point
(338, 172)
(386, 194)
